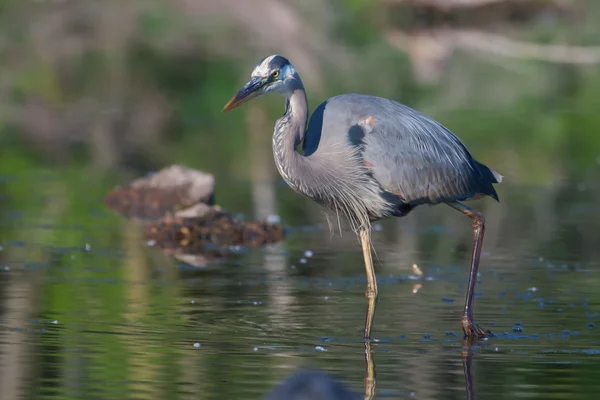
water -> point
(87, 310)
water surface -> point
(88, 310)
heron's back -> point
(409, 154)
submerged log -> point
(177, 213)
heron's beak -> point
(250, 90)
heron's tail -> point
(489, 177)
(497, 177)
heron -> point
(367, 158)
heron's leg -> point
(478, 219)
(365, 240)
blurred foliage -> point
(142, 85)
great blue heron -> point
(370, 158)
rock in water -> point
(176, 206)
(167, 191)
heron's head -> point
(272, 74)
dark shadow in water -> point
(316, 384)
(312, 384)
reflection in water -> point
(370, 372)
(102, 313)
(315, 384)
(467, 358)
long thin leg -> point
(365, 240)
(478, 219)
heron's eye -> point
(275, 74)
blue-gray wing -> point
(413, 156)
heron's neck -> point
(289, 132)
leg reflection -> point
(418, 274)
(370, 373)
(467, 359)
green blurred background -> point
(95, 92)
(140, 84)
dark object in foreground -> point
(370, 158)
(311, 384)
(178, 216)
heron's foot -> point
(472, 331)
